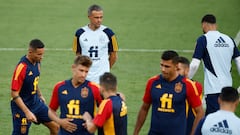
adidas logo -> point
(85, 40)
(158, 86)
(65, 92)
(30, 73)
(221, 127)
(220, 43)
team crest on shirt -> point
(178, 87)
(102, 39)
(84, 92)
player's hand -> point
(68, 125)
(31, 117)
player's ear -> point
(219, 100)
(73, 66)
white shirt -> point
(97, 44)
(217, 51)
(221, 123)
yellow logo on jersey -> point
(65, 92)
(123, 109)
(166, 103)
(74, 109)
(30, 73)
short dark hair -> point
(108, 81)
(36, 44)
(83, 60)
(229, 94)
(209, 18)
(183, 60)
(94, 8)
(170, 55)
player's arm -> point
(18, 100)
(237, 61)
(199, 127)
(40, 95)
(17, 82)
(194, 65)
(195, 102)
(199, 115)
(141, 117)
(91, 127)
(104, 113)
(112, 58)
(197, 55)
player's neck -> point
(30, 60)
(228, 107)
(173, 77)
(109, 94)
(76, 83)
(92, 27)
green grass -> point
(154, 24)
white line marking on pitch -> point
(236, 39)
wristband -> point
(15, 98)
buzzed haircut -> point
(170, 55)
(108, 81)
(36, 44)
(83, 60)
(229, 94)
(209, 18)
(94, 8)
(183, 60)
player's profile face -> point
(168, 69)
(182, 69)
(37, 54)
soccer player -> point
(75, 96)
(112, 113)
(183, 69)
(217, 51)
(28, 104)
(223, 121)
(98, 42)
(167, 94)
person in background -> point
(183, 69)
(217, 50)
(98, 42)
(223, 121)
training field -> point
(143, 28)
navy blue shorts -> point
(212, 103)
(20, 123)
